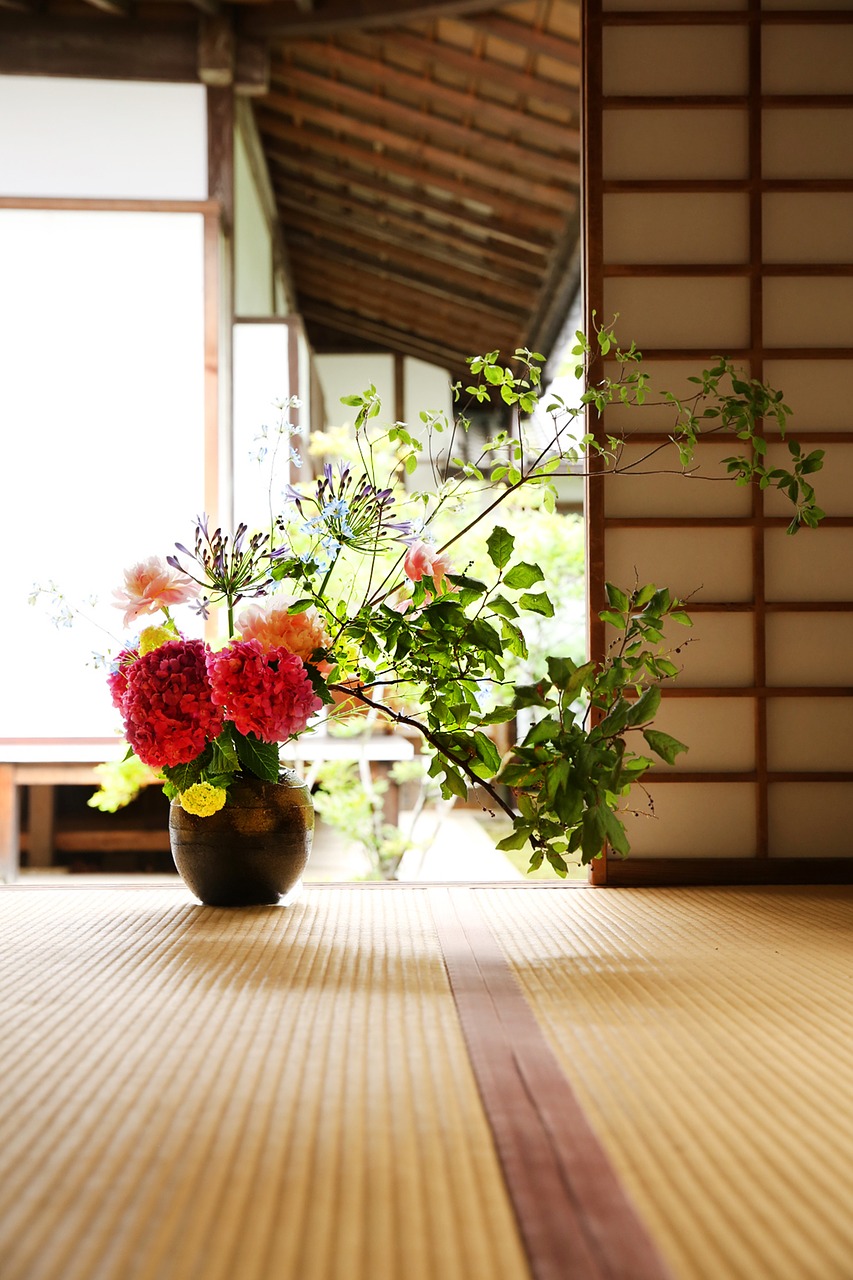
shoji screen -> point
(720, 221)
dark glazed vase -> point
(252, 851)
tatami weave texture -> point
(267, 1094)
(709, 1035)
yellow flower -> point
(153, 637)
(202, 799)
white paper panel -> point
(810, 311)
(102, 447)
(719, 732)
(811, 819)
(707, 564)
(804, 59)
(253, 258)
(676, 227)
(808, 226)
(343, 375)
(705, 491)
(813, 143)
(833, 485)
(675, 144)
(655, 414)
(809, 733)
(820, 392)
(716, 652)
(683, 60)
(696, 820)
(104, 138)
(690, 312)
(814, 564)
(810, 649)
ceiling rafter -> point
(487, 72)
(426, 124)
(317, 173)
(401, 230)
(405, 251)
(515, 120)
(487, 175)
(419, 157)
(304, 148)
(329, 16)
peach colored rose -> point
(274, 628)
(423, 561)
(151, 585)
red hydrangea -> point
(264, 692)
(168, 709)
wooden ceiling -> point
(424, 155)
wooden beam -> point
(485, 110)
(402, 229)
(216, 52)
(521, 219)
(329, 16)
(381, 245)
(378, 336)
(447, 290)
(98, 49)
(523, 35)
(423, 123)
(488, 176)
(476, 67)
(20, 6)
(431, 315)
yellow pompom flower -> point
(152, 637)
(203, 799)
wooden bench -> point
(43, 764)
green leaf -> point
(499, 546)
(523, 575)
(517, 840)
(663, 745)
(615, 833)
(182, 776)
(502, 606)
(615, 619)
(260, 758)
(536, 604)
(646, 707)
(617, 598)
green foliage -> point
(120, 781)
(466, 647)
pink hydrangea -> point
(168, 708)
(117, 679)
(151, 585)
(424, 561)
(274, 628)
(264, 692)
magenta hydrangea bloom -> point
(117, 679)
(168, 709)
(264, 692)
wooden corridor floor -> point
(427, 1083)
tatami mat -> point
(270, 1094)
(709, 1035)
(288, 1093)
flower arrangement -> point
(349, 599)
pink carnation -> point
(152, 585)
(264, 692)
(274, 628)
(168, 709)
(423, 561)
